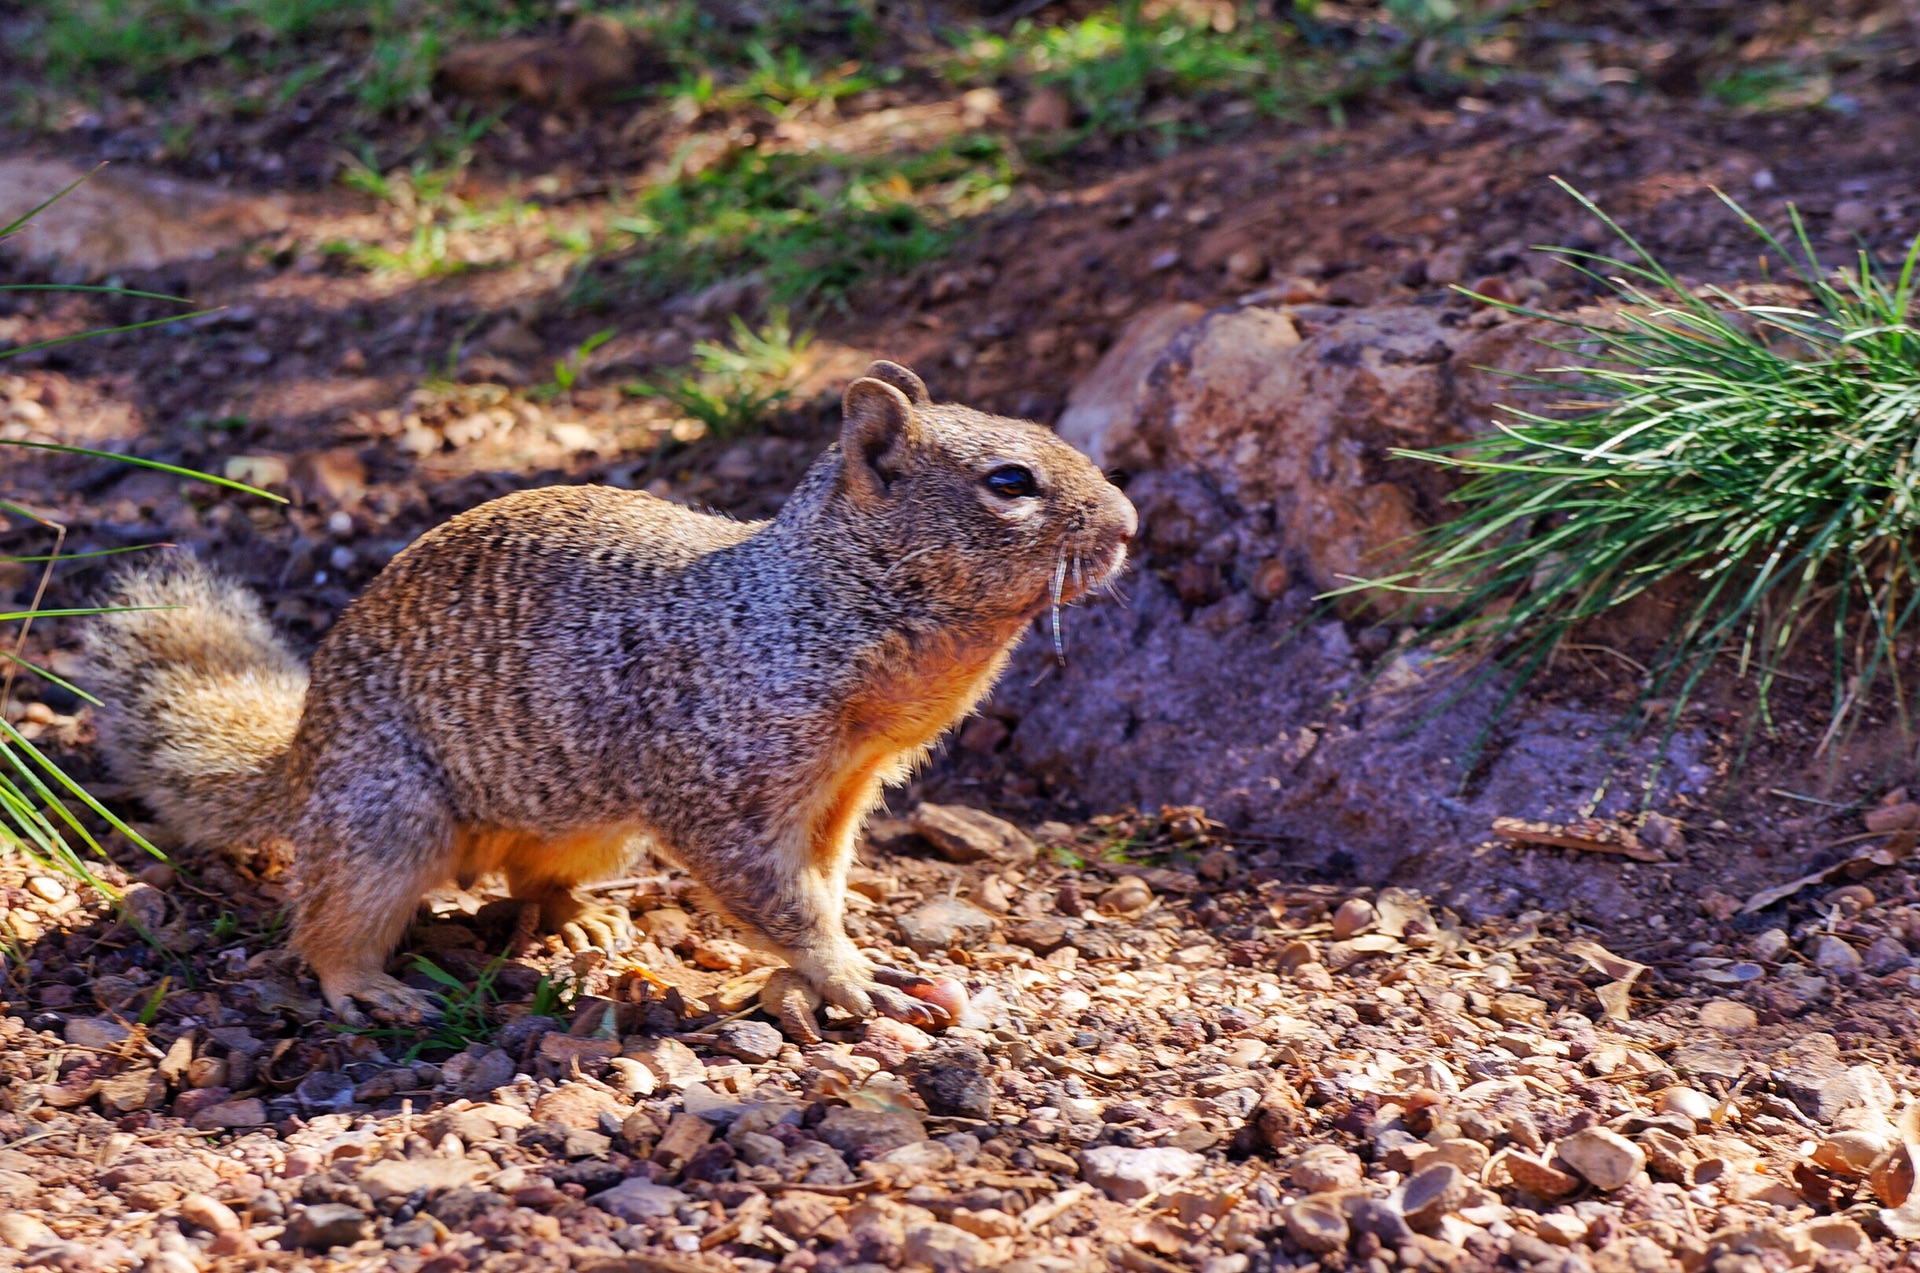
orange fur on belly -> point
(531, 858)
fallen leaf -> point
(1587, 835)
(1604, 960)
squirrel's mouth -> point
(1078, 573)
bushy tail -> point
(201, 702)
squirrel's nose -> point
(1126, 518)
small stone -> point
(1659, 831)
(1851, 214)
(1247, 265)
(576, 1105)
(1561, 1228)
(1297, 953)
(321, 1092)
(1431, 1193)
(1856, 1087)
(1687, 1101)
(132, 1090)
(325, 1225)
(1518, 1009)
(944, 923)
(1470, 1156)
(686, 1135)
(944, 1248)
(669, 927)
(1313, 976)
(631, 1078)
(1325, 1169)
(1770, 945)
(1710, 1060)
(954, 1080)
(214, 1216)
(1317, 1225)
(1354, 917)
(1851, 1153)
(1607, 1160)
(916, 1162)
(754, 1042)
(1041, 936)
(47, 889)
(399, 1177)
(24, 1233)
(1542, 1180)
(1128, 1175)
(96, 1032)
(891, 1042)
(636, 1201)
(673, 1063)
(1380, 1218)
(989, 1222)
(800, 1215)
(1837, 1236)
(1128, 898)
(251, 1112)
(963, 834)
(1048, 111)
(1727, 1016)
(1887, 954)
(869, 1133)
(478, 1071)
(1834, 957)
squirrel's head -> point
(977, 516)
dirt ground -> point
(1183, 1049)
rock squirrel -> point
(548, 682)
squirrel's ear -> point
(879, 422)
(903, 379)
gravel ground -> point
(1192, 1064)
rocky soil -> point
(1204, 1063)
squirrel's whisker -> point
(1059, 584)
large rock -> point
(1260, 452)
(1290, 415)
(122, 219)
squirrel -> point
(554, 680)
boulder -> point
(1259, 451)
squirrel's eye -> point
(1011, 481)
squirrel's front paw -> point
(792, 999)
(385, 998)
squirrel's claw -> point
(924, 992)
(387, 999)
(583, 925)
(790, 1001)
(901, 1006)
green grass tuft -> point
(735, 388)
(1764, 456)
(812, 225)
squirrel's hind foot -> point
(584, 925)
(385, 998)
